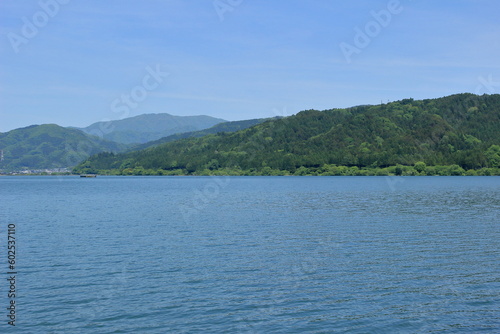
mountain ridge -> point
(50, 146)
(460, 129)
(34, 146)
(148, 127)
(230, 126)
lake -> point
(252, 254)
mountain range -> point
(50, 146)
(148, 127)
(221, 127)
(460, 130)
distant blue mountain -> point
(221, 127)
(149, 127)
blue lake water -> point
(253, 254)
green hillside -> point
(221, 127)
(49, 146)
(148, 127)
(460, 131)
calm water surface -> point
(253, 254)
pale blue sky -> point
(248, 59)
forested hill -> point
(49, 146)
(461, 130)
(221, 127)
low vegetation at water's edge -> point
(419, 169)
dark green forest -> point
(454, 135)
(221, 127)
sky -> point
(74, 63)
